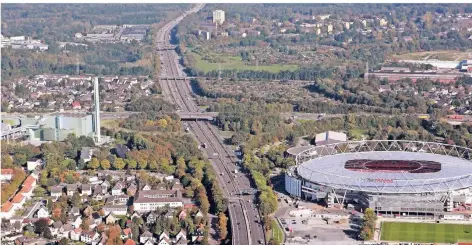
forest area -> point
(60, 22)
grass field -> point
(277, 232)
(447, 55)
(236, 62)
(423, 232)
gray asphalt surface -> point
(246, 228)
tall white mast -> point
(97, 110)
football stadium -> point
(393, 177)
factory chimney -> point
(97, 110)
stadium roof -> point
(330, 170)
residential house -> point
(182, 214)
(87, 211)
(111, 219)
(33, 163)
(121, 199)
(117, 189)
(96, 218)
(42, 213)
(18, 201)
(86, 154)
(76, 221)
(116, 209)
(88, 236)
(55, 227)
(71, 189)
(105, 186)
(7, 210)
(56, 191)
(149, 242)
(28, 185)
(151, 218)
(181, 234)
(199, 214)
(65, 231)
(146, 203)
(75, 234)
(86, 189)
(98, 197)
(126, 233)
(74, 211)
(131, 189)
(146, 187)
(76, 105)
(146, 236)
(6, 174)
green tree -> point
(132, 164)
(64, 241)
(119, 164)
(222, 226)
(181, 167)
(93, 164)
(153, 165)
(39, 191)
(142, 163)
(19, 159)
(105, 164)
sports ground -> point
(425, 232)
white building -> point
(87, 237)
(33, 163)
(42, 213)
(153, 199)
(6, 174)
(218, 16)
(116, 209)
(330, 137)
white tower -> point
(97, 110)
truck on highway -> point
(235, 171)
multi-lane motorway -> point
(244, 216)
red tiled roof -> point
(29, 180)
(127, 231)
(7, 206)
(26, 189)
(7, 171)
(130, 242)
(18, 198)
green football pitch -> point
(424, 232)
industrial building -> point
(393, 177)
(56, 127)
(218, 17)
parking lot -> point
(316, 229)
(311, 230)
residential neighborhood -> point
(54, 92)
(136, 211)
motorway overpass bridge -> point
(175, 78)
(194, 116)
(165, 47)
